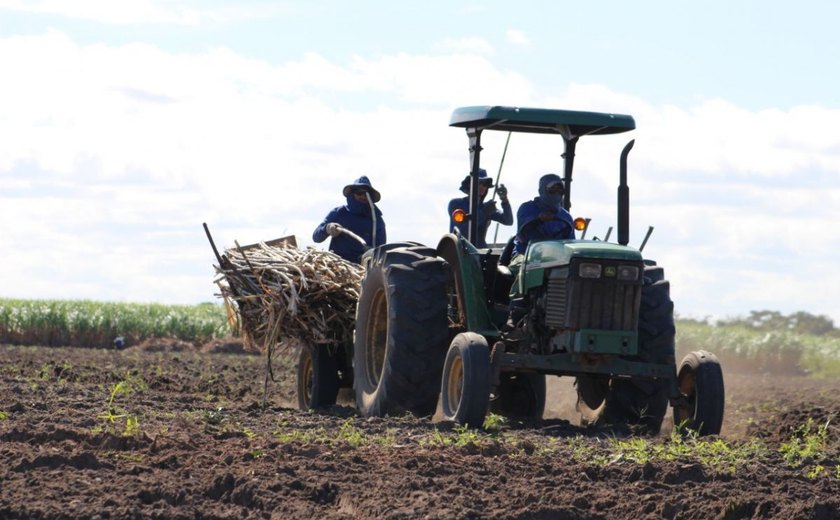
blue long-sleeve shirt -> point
(354, 216)
(487, 214)
(531, 228)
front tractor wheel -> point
(317, 377)
(700, 380)
(465, 386)
(401, 331)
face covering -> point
(550, 199)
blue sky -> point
(125, 125)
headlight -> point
(587, 270)
(628, 273)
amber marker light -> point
(459, 216)
(580, 224)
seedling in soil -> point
(808, 444)
(494, 421)
(805, 443)
(115, 414)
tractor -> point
(471, 330)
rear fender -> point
(468, 279)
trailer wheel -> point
(520, 395)
(640, 401)
(317, 377)
(700, 380)
(465, 386)
(401, 331)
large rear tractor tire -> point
(401, 331)
(465, 385)
(520, 395)
(700, 380)
(317, 377)
(638, 401)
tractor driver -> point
(488, 211)
(543, 218)
(360, 216)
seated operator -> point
(543, 218)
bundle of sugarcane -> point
(283, 292)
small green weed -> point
(115, 414)
(809, 443)
(353, 436)
(132, 426)
(131, 457)
(805, 443)
(292, 435)
(494, 421)
(436, 438)
(466, 435)
(4, 416)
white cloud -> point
(473, 44)
(517, 37)
(112, 158)
(137, 12)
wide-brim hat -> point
(482, 179)
(362, 183)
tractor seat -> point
(507, 254)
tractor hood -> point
(553, 253)
(550, 254)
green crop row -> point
(771, 351)
(86, 323)
(95, 324)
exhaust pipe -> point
(624, 197)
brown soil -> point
(187, 435)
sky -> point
(126, 125)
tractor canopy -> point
(568, 123)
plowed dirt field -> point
(163, 430)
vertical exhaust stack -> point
(624, 197)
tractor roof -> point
(568, 123)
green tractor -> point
(456, 325)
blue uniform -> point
(354, 216)
(487, 214)
(529, 225)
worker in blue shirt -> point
(544, 218)
(487, 211)
(360, 216)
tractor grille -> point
(578, 303)
(556, 303)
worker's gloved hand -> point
(333, 229)
(501, 191)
